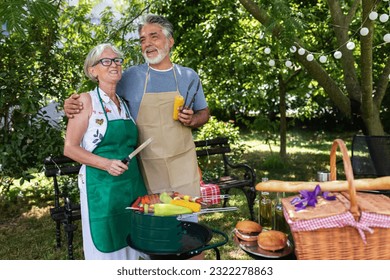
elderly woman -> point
(99, 137)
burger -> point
(272, 240)
(247, 230)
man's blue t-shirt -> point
(131, 86)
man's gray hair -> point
(156, 19)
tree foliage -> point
(358, 82)
(226, 40)
(226, 45)
(231, 44)
(42, 61)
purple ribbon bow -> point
(308, 198)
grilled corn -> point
(179, 101)
(195, 207)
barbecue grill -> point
(170, 238)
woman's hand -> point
(116, 167)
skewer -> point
(132, 208)
(210, 197)
(221, 209)
(218, 195)
(206, 211)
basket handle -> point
(348, 173)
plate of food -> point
(254, 240)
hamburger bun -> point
(247, 230)
(272, 240)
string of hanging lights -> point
(337, 53)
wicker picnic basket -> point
(354, 226)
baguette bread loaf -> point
(381, 183)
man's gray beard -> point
(161, 55)
(154, 60)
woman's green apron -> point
(108, 196)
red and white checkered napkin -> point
(366, 222)
(210, 193)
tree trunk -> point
(283, 120)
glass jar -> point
(323, 176)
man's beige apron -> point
(169, 163)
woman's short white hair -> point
(94, 56)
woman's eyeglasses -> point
(108, 61)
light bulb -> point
(309, 57)
(364, 31)
(261, 35)
(288, 63)
(267, 50)
(386, 38)
(293, 49)
(373, 15)
(323, 59)
(350, 45)
(271, 62)
(95, 20)
(301, 51)
(384, 18)
(4, 30)
(337, 54)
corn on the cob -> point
(195, 207)
(179, 101)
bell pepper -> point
(162, 209)
(136, 202)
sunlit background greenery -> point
(279, 119)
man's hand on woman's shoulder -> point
(72, 105)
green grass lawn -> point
(29, 233)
